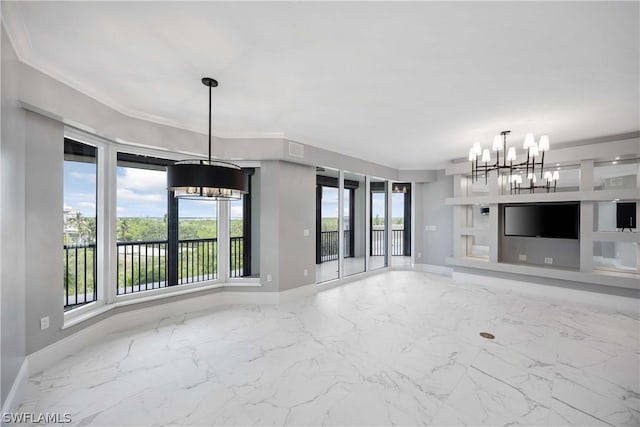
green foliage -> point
(79, 260)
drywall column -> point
(287, 220)
(586, 218)
(419, 232)
(459, 217)
(341, 223)
(44, 225)
(494, 190)
(12, 223)
(437, 246)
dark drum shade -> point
(200, 179)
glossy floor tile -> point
(398, 348)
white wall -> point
(434, 246)
(12, 223)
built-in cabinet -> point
(603, 254)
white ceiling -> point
(409, 85)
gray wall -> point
(12, 223)
(255, 223)
(44, 207)
(564, 252)
(434, 246)
(288, 208)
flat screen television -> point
(626, 215)
(550, 220)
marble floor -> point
(398, 348)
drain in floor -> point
(487, 335)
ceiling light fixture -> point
(207, 179)
(508, 168)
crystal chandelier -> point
(510, 169)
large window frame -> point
(106, 229)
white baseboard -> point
(14, 391)
(548, 290)
(435, 269)
(41, 359)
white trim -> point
(55, 352)
(82, 314)
(16, 387)
(616, 302)
(323, 286)
(434, 269)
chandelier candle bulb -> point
(497, 143)
(486, 156)
(543, 145)
(529, 141)
(511, 154)
(477, 148)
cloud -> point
(142, 180)
(83, 176)
(126, 194)
(141, 186)
(87, 205)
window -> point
(153, 240)
(197, 241)
(80, 226)
(141, 224)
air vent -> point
(296, 150)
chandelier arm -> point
(542, 165)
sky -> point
(330, 204)
(142, 193)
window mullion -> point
(107, 252)
(224, 246)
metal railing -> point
(236, 268)
(141, 266)
(329, 245)
(80, 272)
(397, 242)
(377, 242)
(197, 260)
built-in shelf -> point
(598, 277)
(616, 236)
(472, 231)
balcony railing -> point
(80, 272)
(144, 265)
(141, 266)
(236, 267)
(197, 260)
(377, 242)
(329, 245)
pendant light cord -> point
(209, 124)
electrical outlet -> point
(305, 232)
(433, 228)
(268, 277)
(522, 257)
(548, 260)
(306, 272)
(44, 323)
(426, 228)
(419, 254)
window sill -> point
(82, 314)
